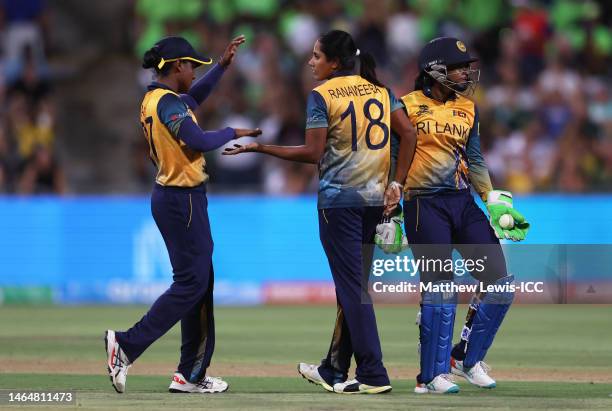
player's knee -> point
(195, 281)
(501, 291)
(202, 279)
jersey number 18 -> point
(350, 111)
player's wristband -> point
(394, 184)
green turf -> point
(534, 338)
(551, 336)
(147, 392)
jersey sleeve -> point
(396, 104)
(202, 88)
(478, 171)
(190, 101)
(316, 111)
(172, 111)
(203, 141)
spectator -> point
(42, 174)
(31, 127)
(25, 27)
(545, 68)
(532, 28)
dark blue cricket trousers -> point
(436, 224)
(453, 220)
(182, 218)
(343, 232)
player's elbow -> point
(312, 159)
(313, 155)
(409, 134)
(406, 133)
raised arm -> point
(202, 88)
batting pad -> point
(489, 317)
(436, 332)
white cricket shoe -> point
(117, 362)
(355, 387)
(310, 372)
(207, 385)
(477, 375)
(441, 384)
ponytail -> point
(152, 58)
(367, 68)
(339, 45)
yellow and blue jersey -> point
(161, 114)
(354, 169)
(448, 155)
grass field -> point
(545, 357)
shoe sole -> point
(108, 369)
(460, 373)
(326, 386)
(454, 390)
(374, 390)
(175, 391)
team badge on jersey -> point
(423, 109)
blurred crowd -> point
(28, 159)
(545, 100)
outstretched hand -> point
(230, 50)
(247, 132)
(237, 149)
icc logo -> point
(423, 109)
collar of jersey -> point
(427, 92)
(341, 73)
(157, 84)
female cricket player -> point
(178, 204)
(439, 211)
(349, 121)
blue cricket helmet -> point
(447, 51)
(443, 53)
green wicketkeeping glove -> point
(389, 234)
(500, 203)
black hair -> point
(338, 44)
(152, 58)
(423, 81)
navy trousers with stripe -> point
(343, 232)
(182, 218)
(436, 224)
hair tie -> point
(358, 52)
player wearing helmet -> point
(440, 215)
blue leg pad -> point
(436, 332)
(490, 314)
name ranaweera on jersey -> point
(354, 169)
